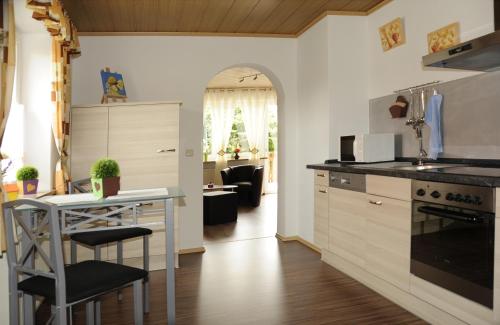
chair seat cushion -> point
(243, 186)
(94, 238)
(84, 280)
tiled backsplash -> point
(470, 119)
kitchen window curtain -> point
(221, 105)
(65, 45)
(7, 85)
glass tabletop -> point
(89, 200)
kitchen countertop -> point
(460, 173)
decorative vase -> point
(12, 191)
(104, 187)
(28, 187)
(236, 156)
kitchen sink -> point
(423, 167)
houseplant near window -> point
(27, 180)
(105, 177)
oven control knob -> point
(436, 194)
(459, 198)
(420, 192)
(450, 197)
(468, 199)
(477, 200)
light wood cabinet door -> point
(388, 236)
(347, 219)
(321, 216)
(144, 139)
(89, 139)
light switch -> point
(189, 152)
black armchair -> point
(248, 178)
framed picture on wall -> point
(392, 34)
(443, 38)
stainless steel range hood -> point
(480, 54)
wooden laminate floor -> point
(260, 281)
(252, 223)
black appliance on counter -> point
(452, 241)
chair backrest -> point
(242, 173)
(80, 186)
(28, 225)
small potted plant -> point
(236, 153)
(105, 177)
(27, 180)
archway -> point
(240, 134)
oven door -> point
(453, 248)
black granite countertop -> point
(459, 171)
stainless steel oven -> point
(452, 243)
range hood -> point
(480, 54)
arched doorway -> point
(241, 130)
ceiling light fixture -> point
(253, 76)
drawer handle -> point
(322, 191)
(165, 150)
(375, 202)
(321, 175)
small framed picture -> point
(443, 38)
(392, 34)
(112, 84)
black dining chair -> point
(97, 239)
(30, 225)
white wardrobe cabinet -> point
(144, 139)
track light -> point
(242, 79)
(253, 76)
(256, 76)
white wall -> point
(313, 115)
(401, 67)
(35, 85)
(159, 68)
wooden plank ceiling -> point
(285, 18)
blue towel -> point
(433, 120)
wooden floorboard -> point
(260, 281)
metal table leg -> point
(170, 269)
(28, 300)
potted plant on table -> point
(236, 153)
(27, 180)
(105, 177)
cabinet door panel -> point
(347, 217)
(89, 139)
(136, 134)
(388, 235)
(321, 216)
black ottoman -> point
(220, 207)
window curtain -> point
(65, 45)
(221, 105)
(255, 105)
(7, 85)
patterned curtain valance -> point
(65, 45)
(58, 23)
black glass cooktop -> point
(474, 171)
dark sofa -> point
(249, 179)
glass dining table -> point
(77, 213)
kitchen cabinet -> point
(388, 236)
(347, 218)
(321, 216)
(144, 139)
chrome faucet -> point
(417, 123)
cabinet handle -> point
(165, 150)
(321, 175)
(322, 191)
(375, 202)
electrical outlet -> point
(189, 152)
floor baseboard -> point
(299, 239)
(194, 250)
